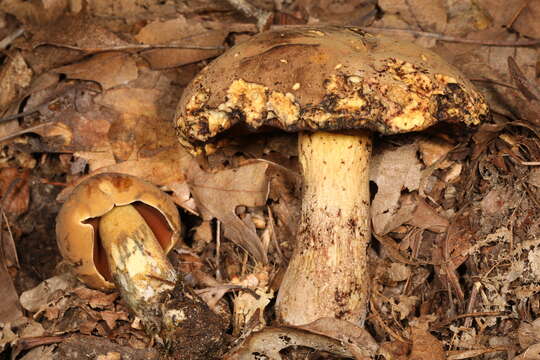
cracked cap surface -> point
(324, 78)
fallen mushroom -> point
(116, 230)
(335, 86)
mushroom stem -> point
(138, 265)
(327, 275)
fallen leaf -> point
(15, 77)
(167, 166)
(109, 69)
(249, 310)
(15, 190)
(37, 298)
(424, 345)
(40, 353)
(527, 23)
(10, 311)
(434, 150)
(218, 194)
(357, 339)
(183, 31)
(393, 170)
(79, 31)
(268, 342)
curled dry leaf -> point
(218, 194)
(270, 341)
(335, 336)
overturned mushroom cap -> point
(77, 223)
(325, 78)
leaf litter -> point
(92, 87)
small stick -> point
(133, 47)
(5, 42)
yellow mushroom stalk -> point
(137, 263)
(334, 230)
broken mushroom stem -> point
(328, 265)
(136, 262)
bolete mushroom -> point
(335, 86)
(116, 229)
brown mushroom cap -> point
(77, 221)
(325, 78)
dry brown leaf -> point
(95, 298)
(434, 149)
(109, 69)
(182, 31)
(40, 353)
(528, 334)
(218, 194)
(79, 31)
(426, 217)
(534, 177)
(111, 317)
(164, 167)
(527, 22)
(424, 345)
(496, 201)
(15, 190)
(10, 311)
(78, 347)
(36, 13)
(35, 299)
(15, 76)
(249, 309)
(136, 101)
(271, 340)
(357, 339)
(393, 170)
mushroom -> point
(116, 230)
(335, 86)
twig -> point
(472, 303)
(5, 42)
(228, 287)
(133, 47)
(448, 38)
(516, 15)
(437, 36)
(25, 131)
(461, 316)
(218, 249)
